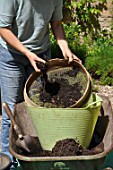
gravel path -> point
(106, 91)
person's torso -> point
(30, 23)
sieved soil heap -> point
(64, 89)
(70, 147)
(66, 147)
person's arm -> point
(12, 40)
(58, 31)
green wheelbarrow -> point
(103, 132)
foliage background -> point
(92, 44)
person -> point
(24, 41)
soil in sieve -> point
(62, 91)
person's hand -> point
(70, 56)
(33, 58)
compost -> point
(67, 147)
(63, 90)
(70, 147)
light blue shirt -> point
(29, 21)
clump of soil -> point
(67, 147)
(64, 89)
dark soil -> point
(61, 90)
(68, 147)
(66, 96)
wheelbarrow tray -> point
(103, 131)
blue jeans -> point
(14, 70)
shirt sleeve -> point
(7, 12)
(57, 14)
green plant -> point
(99, 60)
(86, 14)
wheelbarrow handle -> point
(10, 115)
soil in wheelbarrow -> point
(68, 147)
(64, 89)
